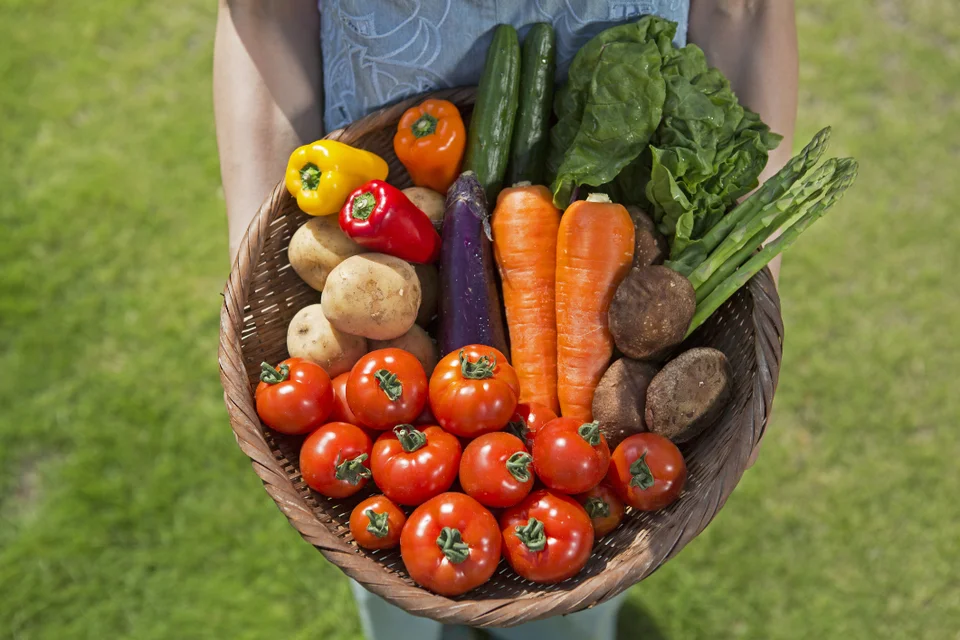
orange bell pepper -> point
(430, 140)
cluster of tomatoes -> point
(414, 437)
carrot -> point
(594, 252)
(525, 224)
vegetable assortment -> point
(529, 289)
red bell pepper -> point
(380, 217)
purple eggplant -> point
(470, 311)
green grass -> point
(126, 510)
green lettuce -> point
(610, 105)
(653, 125)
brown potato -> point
(429, 292)
(428, 201)
(311, 336)
(415, 341)
(317, 247)
(651, 311)
(650, 246)
(689, 394)
(372, 295)
(620, 398)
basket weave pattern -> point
(262, 295)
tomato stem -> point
(590, 431)
(642, 476)
(519, 465)
(452, 545)
(532, 535)
(379, 525)
(479, 370)
(518, 428)
(353, 470)
(597, 507)
(272, 375)
(410, 438)
(389, 383)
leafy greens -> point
(653, 125)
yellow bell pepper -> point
(321, 175)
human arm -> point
(267, 96)
(754, 44)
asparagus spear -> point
(771, 190)
(732, 283)
(829, 195)
(810, 188)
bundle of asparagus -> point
(727, 256)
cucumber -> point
(528, 153)
(491, 126)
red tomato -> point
(570, 456)
(296, 397)
(411, 466)
(387, 387)
(547, 538)
(528, 419)
(647, 471)
(333, 459)
(341, 410)
(376, 523)
(495, 469)
(474, 391)
(604, 507)
(450, 544)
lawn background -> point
(127, 511)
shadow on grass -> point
(636, 623)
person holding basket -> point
(287, 71)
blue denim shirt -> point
(376, 52)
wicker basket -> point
(262, 295)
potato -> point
(428, 201)
(317, 247)
(650, 245)
(429, 292)
(620, 398)
(688, 394)
(311, 336)
(651, 311)
(417, 342)
(372, 295)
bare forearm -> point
(267, 97)
(754, 43)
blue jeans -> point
(383, 621)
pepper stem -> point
(479, 370)
(379, 525)
(590, 431)
(310, 176)
(532, 535)
(452, 545)
(597, 507)
(389, 383)
(410, 438)
(363, 205)
(599, 197)
(642, 476)
(424, 125)
(273, 375)
(519, 465)
(518, 428)
(352, 471)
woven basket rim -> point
(506, 611)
